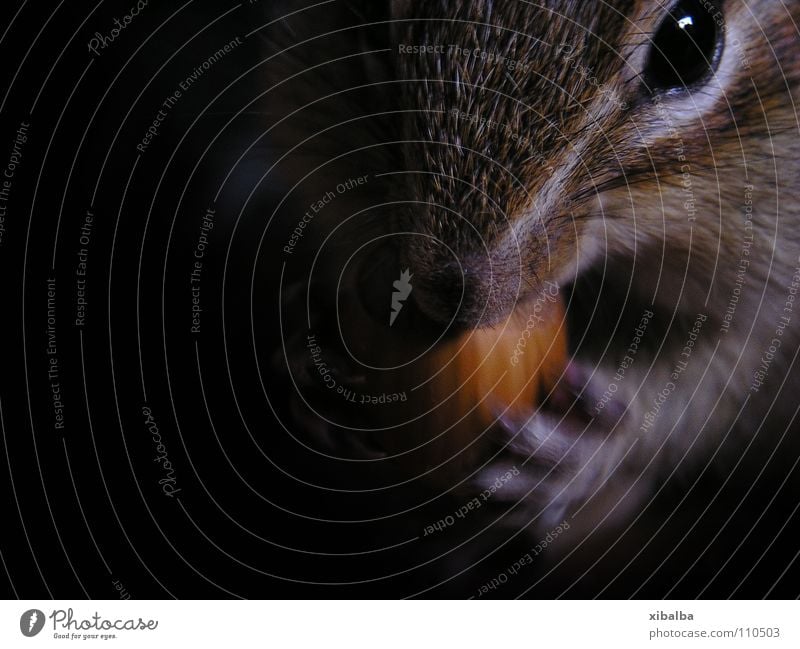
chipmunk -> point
(641, 156)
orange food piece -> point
(441, 398)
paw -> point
(547, 461)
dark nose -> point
(442, 295)
(437, 287)
(469, 293)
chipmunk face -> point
(641, 154)
(544, 136)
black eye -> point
(686, 45)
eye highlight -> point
(686, 46)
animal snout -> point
(466, 293)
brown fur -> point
(603, 201)
(616, 198)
